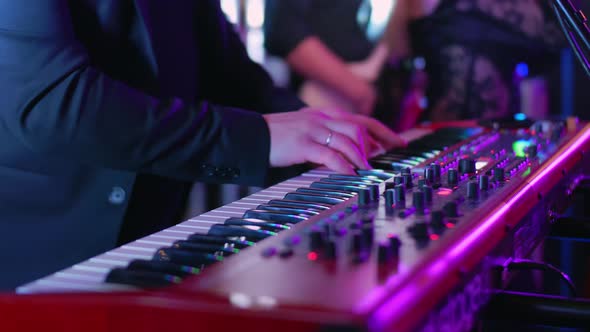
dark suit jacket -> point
(94, 92)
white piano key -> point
(130, 256)
(101, 270)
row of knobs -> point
(361, 242)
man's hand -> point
(339, 140)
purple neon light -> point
(405, 296)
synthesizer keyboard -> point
(91, 274)
(407, 247)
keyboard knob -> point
(429, 175)
(499, 174)
(364, 197)
(418, 201)
(421, 183)
(472, 190)
(467, 166)
(452, 177)
(451, 209)
(408, 180)
(531, 151)
(385, 253)
(368, 233)
(419, 230)
(400, 194)
(316, 239)
(395, 243)
(484, 182)
(428, 192)
(437, 219)
(330, 250)
(389, 198)
(358, 243)
(437, 172)
(374, 192)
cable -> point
(527, 264)
(571, 39)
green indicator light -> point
(519, 146)
(526, 173)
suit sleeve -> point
(55, 103)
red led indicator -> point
(450, 225)
(434, 237)
(444, 192)
(312, 256)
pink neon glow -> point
(398, 304)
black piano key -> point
(186, 257)
(143, 279)
(372, 179)
(162, 267)
(205, 248)
(338, 186)
(220, 240)
(295, 211)
(388, 165)
(231, 230)
(313, 198)
(411, 161)
(300, 204)
(327, 192)
(381, 174)
(280, 217)
(257, 224)
(347, 182)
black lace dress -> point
(472, 47)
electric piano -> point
(411, 245)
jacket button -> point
(117, 196)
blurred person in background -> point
(332, 60)
(469, 50)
